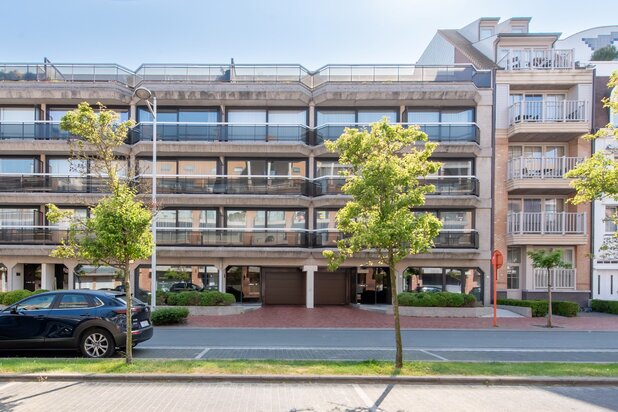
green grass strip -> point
(366, 368)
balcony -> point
(561, 120)
(51, 183)
(544, 175)
(437, 132)
(445, 185)
(242, 73)
(234, 185)
(31, 235)
(562, 279)
(538, 59)
(221, 132)
(37, 130)
(561, 228)
(447, 239)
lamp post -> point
(144, 94)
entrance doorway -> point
(32, 277)
(373, 286)
(61, 277)
(245, 283)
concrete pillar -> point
(71, 265)
(402, 110)
(133, 112)
(48, 273)
(222, 108)
(310, 271)
(311, 114)
(221, 279)
(16, 276)
(43, 111)
(399, 269)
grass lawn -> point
(367, 368)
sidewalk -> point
(350, 317)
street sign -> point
(497, 260)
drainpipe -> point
(592, 216)
(492, 178)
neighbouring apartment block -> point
(248, 193)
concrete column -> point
(47, 276)
(16, 276)
(71, 277)
(310, 271)
(399, 269)
(43, 111)
(133, 112)
(402, 110)
(311, 114)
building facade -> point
(246, 189)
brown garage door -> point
(331, 288)
(283, 286)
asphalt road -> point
(222, 397)
(365, 344)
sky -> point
(308, 32)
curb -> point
(344, 379)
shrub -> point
(184, 298)
(36, 292)
(162, 297)
(2, 297)
(216, 298)
(439, 299)
(15, 296)
(469, 300)
(169, 316)
(539, 307)
(568, 309)
(607, 306)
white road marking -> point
(434, 355)
(364, 397)
(202, 353)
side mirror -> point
(14, 310)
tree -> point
(117, 231)
(384, 166)
(597, 176)
(548, 260)
(607, 53)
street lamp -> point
(144, 94)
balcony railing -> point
(543, 111)
(447, 239)
(229, 73)
(541, 167)
(445, 185)
(38, 130)
(561, 278)
(42, 182)
(538, 59)
(437, 132)
(229, 184)
(221, 132)
(546, 223)
(32, 235)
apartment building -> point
(543, 105)
(246, 189)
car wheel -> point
(97, 343)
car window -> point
(71, 301)
(36, 303)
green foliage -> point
(169, 316)
(2, 297)
(440, 299)
(546, 259)
(606, 306)
(384, 166)
(184, 299)
(36, 292)
(539, 307)
(607, 53)
(162, 297)
(15, 296)
(567, 309)
(216, 298)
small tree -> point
(607, 53)
(384, 166)
(548, 260)
(118, 229)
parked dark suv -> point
(93, 322)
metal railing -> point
(437, 132)
(564, 223)
(541, 167)
(444, 185)
(229, 73)
(561, 278)
(544, 111)
(446, 239)
(37, 130)
(46, 182)
(538, 59)
(231, 184)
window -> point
(246, 116)
(513, 261)
(18, 165)
(336, 116)
(460, 167)
(353, 116)
(169, 167)
(263, 116)
(17, 114)
(187, 218)
(440, 115)
(67, 167)
(455, 219)
(266, 219)
(73, 302)
(262, 167)
(328, 168)
(610, 219)
(54, 114)
(371, 116)
(485, 32)
(179, 115)
(36, 303)
(20, 217)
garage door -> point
(283, 286)
(331, 288)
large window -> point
(26, 216)
(610, 219)
(19, 165)
(352, 116)
(263, 167)
(186, 218)
(450, 279)
(513, 262)
(17, 114)
(440, 115)
(456, 167)
(179, 167)
(55, 114)
(266, 219)
(270, 116)
(182, 115)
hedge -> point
(169, 316)
(607, 306)
(15, 296)
(208, 298)
(439, 299)
(540, 308)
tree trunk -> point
(549, 311)
(129, 294)
(398, 344)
